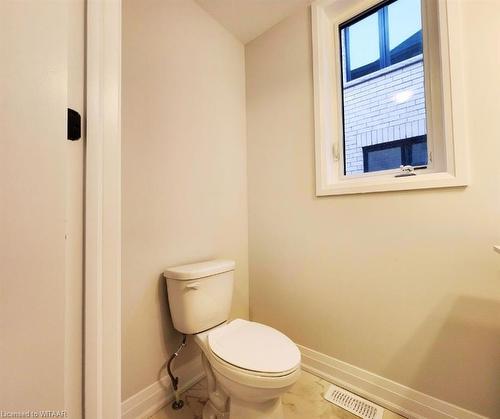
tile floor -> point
(303, 401)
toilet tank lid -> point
(199, 270)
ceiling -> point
(247, 19)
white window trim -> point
(328, 140)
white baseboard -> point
(152, 398)
(396, 397)
(389, 394)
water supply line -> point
(177, 403)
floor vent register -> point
(353, 403)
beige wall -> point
(402, 284)
(184, 168)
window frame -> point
(448, 166)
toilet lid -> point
(254, 346)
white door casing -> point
(103, 212)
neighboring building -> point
(384, 106)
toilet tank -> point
(200, 294)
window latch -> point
(407, 170)
(335, 150)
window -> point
(389, 106)
(385, 77)
(384, 156)
(382, 37)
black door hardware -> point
(74, 125)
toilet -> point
(248, 365)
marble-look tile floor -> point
(303, 401)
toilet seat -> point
(250, 348)
(252, 379)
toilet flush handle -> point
(193, 286)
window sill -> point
(386, 183)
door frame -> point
(102, 288)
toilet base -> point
(211, 412)
(271, 409)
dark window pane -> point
(419, 154)
(383, 159)
(392, 154)
(405, 29)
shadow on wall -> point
(172, 339)
(459, 354)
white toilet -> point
(248, 365)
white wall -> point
(403, 284)
(184, 169)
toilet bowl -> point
(254, 365)
(248, 365)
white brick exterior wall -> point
(372, 114)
